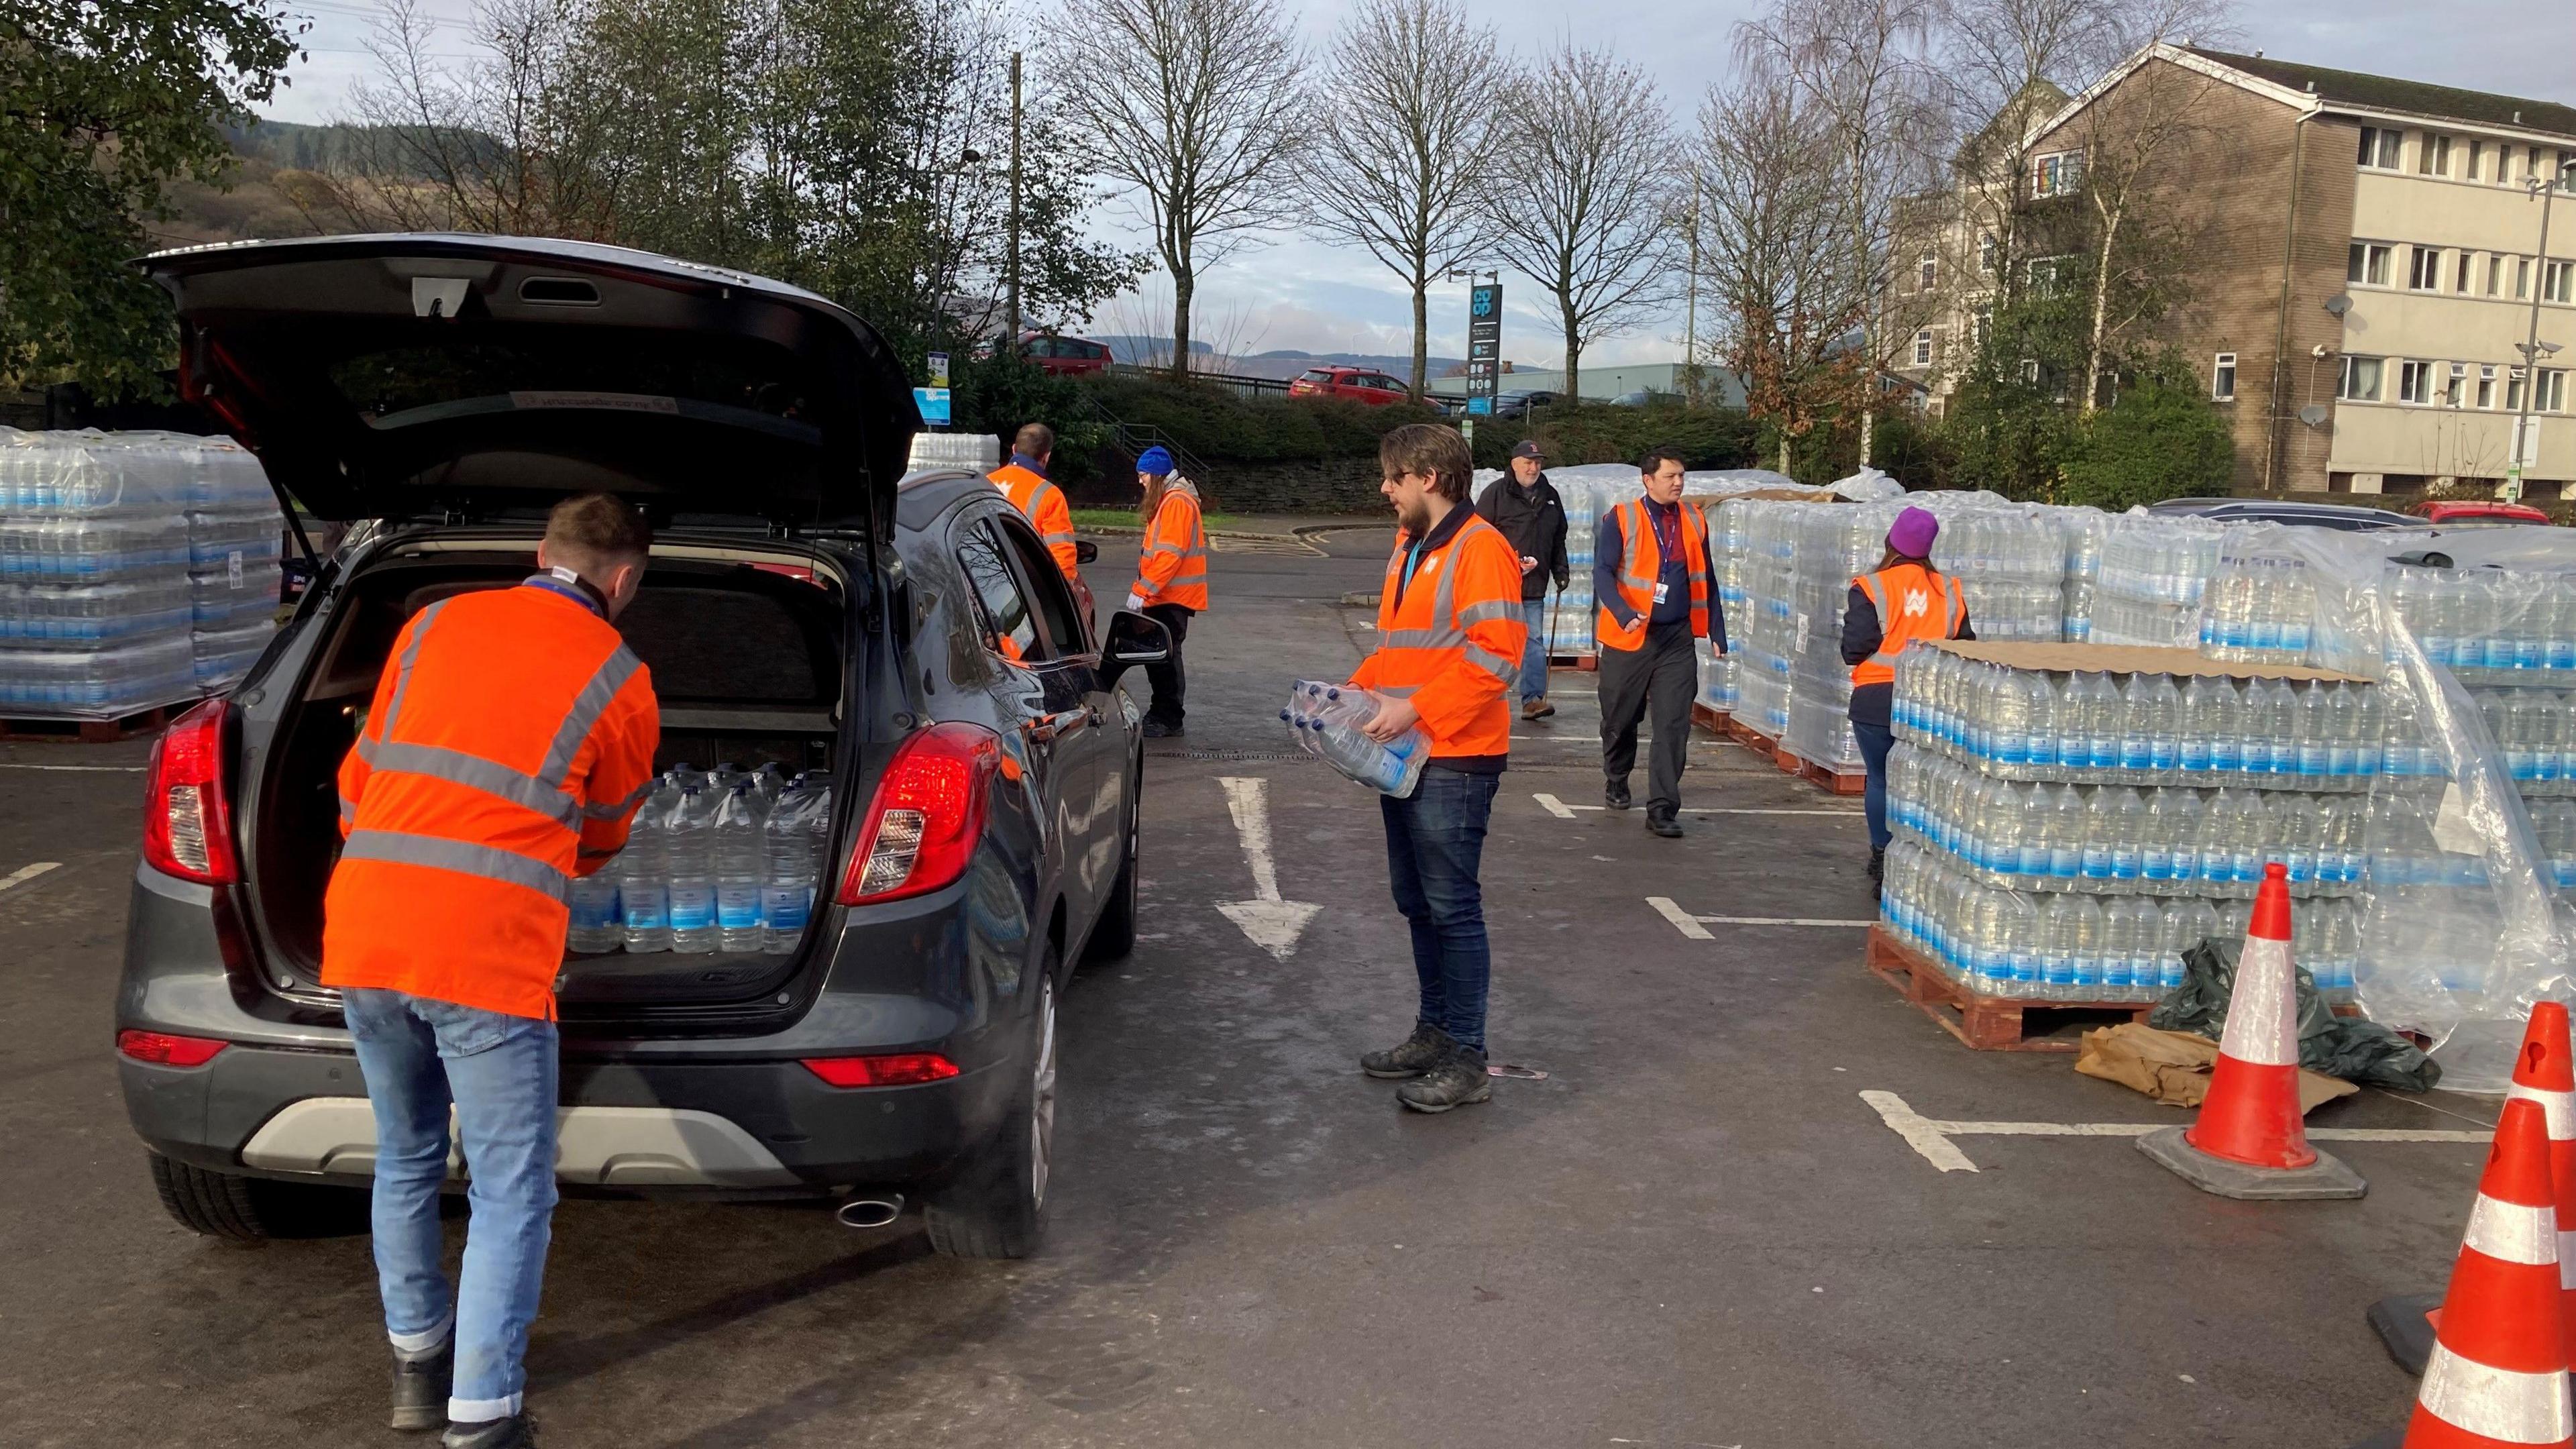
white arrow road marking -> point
(1930, 1136)
(1696, 927)
(1563, 811)
(1271, 923)
(26, 873)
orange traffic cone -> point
(2543, 1072)
(2250, 1141)
(2498, 1374)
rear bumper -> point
(726, 1126)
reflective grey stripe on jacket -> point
(402, 672)
(464, 857)
(545, 792)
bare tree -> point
(1196, 105)
(1586, 192)
(1771, 207)
(1863, 66)
(1400, 154)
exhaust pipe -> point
(869, 1212)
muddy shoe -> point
(420, 1390)
(1458, 1080)
(1536, 709)
(1420, 1053)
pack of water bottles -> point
(1326, 719)
(2085, 530)
(95, 612)
(236, 543)
(2151, 574)
(716, 860)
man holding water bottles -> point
(1450, 635)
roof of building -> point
(2385, 93)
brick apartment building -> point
(2363, 255)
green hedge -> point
(1599, 433)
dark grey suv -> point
(806, 604)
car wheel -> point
(254, 1209)
(995, 1206)
(1115, 933)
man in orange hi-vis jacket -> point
(1449, 648)
(1024, 481)
(509, 742)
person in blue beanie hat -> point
(1171, 576)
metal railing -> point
(1233, 382)
(1134, 438)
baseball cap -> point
(1527, 448)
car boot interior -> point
(746, 665)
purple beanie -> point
(1913, 532)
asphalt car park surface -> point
(1692, 1231)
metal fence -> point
(1234, 382)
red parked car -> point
(1359, 384)
(1063, 355)
(2477, 511)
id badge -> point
(1661, 588)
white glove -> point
(1135, 601)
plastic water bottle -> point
(2164, 722)
(595, 925)
(2136, 698)
(2128, 824)
(693, 872)
(741, 867)
(793, 841)
(2315, 730)
(2065, 833)
(2060, 945)
(2119, 947)
(2099, 833)
(644, 872)
(768, 783)
(2101, 718)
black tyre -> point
(1115, 933)
(254, 1209)
(995, 1207)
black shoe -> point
(515, 1432)
(1458, 1079)
(1420, 1053)
(1663, 825)
(1877, 866)
(421, 1388)
(1615, 794)
(1156, 729)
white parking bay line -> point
(1683, 921)
(1696, 927)
(26, 873)
(1563, 811)
(1930, 1136)
(86, 769)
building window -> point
(1923, 347)
(2558, 281)
(2521, 278)
(2455, 392)
(2566, 179)
(2379, 147)
(2477, 159)
(2368, 264)
(1987, 248)
(2486, 385)
(2056, 174)
(2414, 382)
(2495, 273)
(2425, 273)
(2042, 272)
(1978, 322)
(2222, 378)
(2552, 396)
(2513, 390)
(2433, 155)
(2462, 287)
(1927, 272)
(2359, 380)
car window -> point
(1048, 594)
(1009, 631)
(1319, 374)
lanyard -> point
(1412, 561)
(1667, 533)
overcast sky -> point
(1302, 294)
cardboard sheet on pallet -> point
(2125, 659)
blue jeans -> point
(419, 1055)
(1875, 740)
(1434, 842)
(1534, 654)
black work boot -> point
(1161, 729)
(515, 1432)
(1664, 823)
(421, 1388)
(1877, 866)
(1615, 794)
(1456, 1080)
(1419, 1053)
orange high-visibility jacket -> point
(510, 740)
(1173, 567)
(1641, 564)
(1451, 640)
(1913, 603)
(1042, 503)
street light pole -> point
(2530, 349)
(1013, 338)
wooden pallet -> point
(1746, 735)
(1710, 718)
(1989, 1023)
(93, 731)
(1831, 781)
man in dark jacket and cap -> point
(1524, 506)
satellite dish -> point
(2338, 304)
(2314, 415)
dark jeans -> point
(1661, 676)
(1166, 678)
(1434, 842)
(1875, 740)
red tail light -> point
(187, 811)
(927, 816)
(167, 1050)
(907, 1069)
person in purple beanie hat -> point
(1904, 599)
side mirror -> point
(1133, 639)
(1085, 551)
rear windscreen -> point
(639, 370)
(724, 645)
